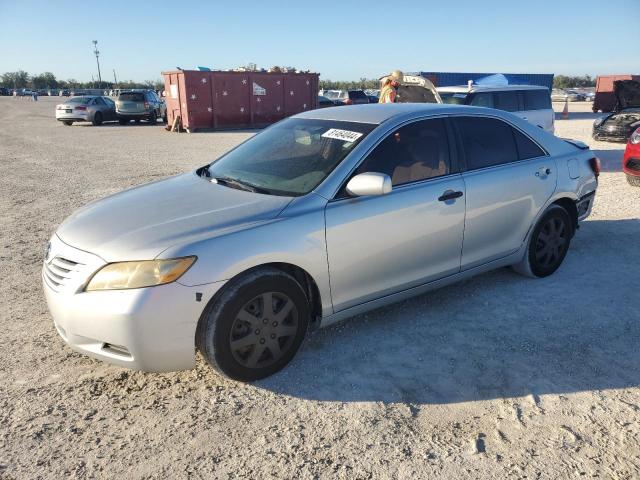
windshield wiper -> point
(240, 185)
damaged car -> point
(619, 125)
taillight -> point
(146, 105)
(81, 107)
(594, 163)
(635, 137)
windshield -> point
(455, 98)
(290, 158)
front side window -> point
(415, 152)
(290, 158)
(486, 142)
(483, 99)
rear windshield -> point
(79, 100)
(357, 94)
(132, 96)
(454, 98)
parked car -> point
(5, 92)
(145, 105)
(389, 201)
(373, 98)
(324, 102)
(631, 159)
(529, 102)
(625, 119)
(86, 109)
(576, 95)
(352, 97)
(64, 93)
(558, 95)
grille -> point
(61, 272)
(634, 164)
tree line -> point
(22, 79)
(565, 81)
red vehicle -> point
(631, 159)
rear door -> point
(508, 179)
(380, 245)
(536, 109)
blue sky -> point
(342, 40)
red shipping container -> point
(206, 100)
(605, 99)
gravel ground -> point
(498, 376)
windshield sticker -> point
(344, 135)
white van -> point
(529, 102)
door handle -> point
(449, 195)
(543, 172)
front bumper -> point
(151, 329)
(605, 135)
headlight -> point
(598, 121)
(635, 137)
(148, 273)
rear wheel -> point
(633, 180)
(68, 123)
(137, 120)
(123, 121)
(255, 327)
(548, 244)
(97, 119)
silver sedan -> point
(86, 109)
(320, 217)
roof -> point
(377, 113)
(490, 88)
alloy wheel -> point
(551, 243)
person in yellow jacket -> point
(389, 86)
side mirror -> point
(369, 183)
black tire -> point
(265, 340)
(633, 180)
(123, 121)
(164, 119)
(137, 120)
(548, 244)
(153, 118)
(68, 123)
(97, 119)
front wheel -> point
(633, 180)
(255, 327)
(68, 123)
(153, 118)
(548, 244)
(123, 121)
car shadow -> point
(610, 160)
(498, 335)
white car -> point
(529, 102)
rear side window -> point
(486, 142)
(536, 99)
(526, 148)
(132, 97)
(506, 101)
(483, 99)
(412, 153)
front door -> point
(380, 245)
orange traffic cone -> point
(565, 110)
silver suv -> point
(320, 217)
(140, 105)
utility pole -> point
(115, 80)
(97, 53)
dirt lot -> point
(500, 375)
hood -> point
(627, 94)
(623, 119)
(141, 222)
(417, 89)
